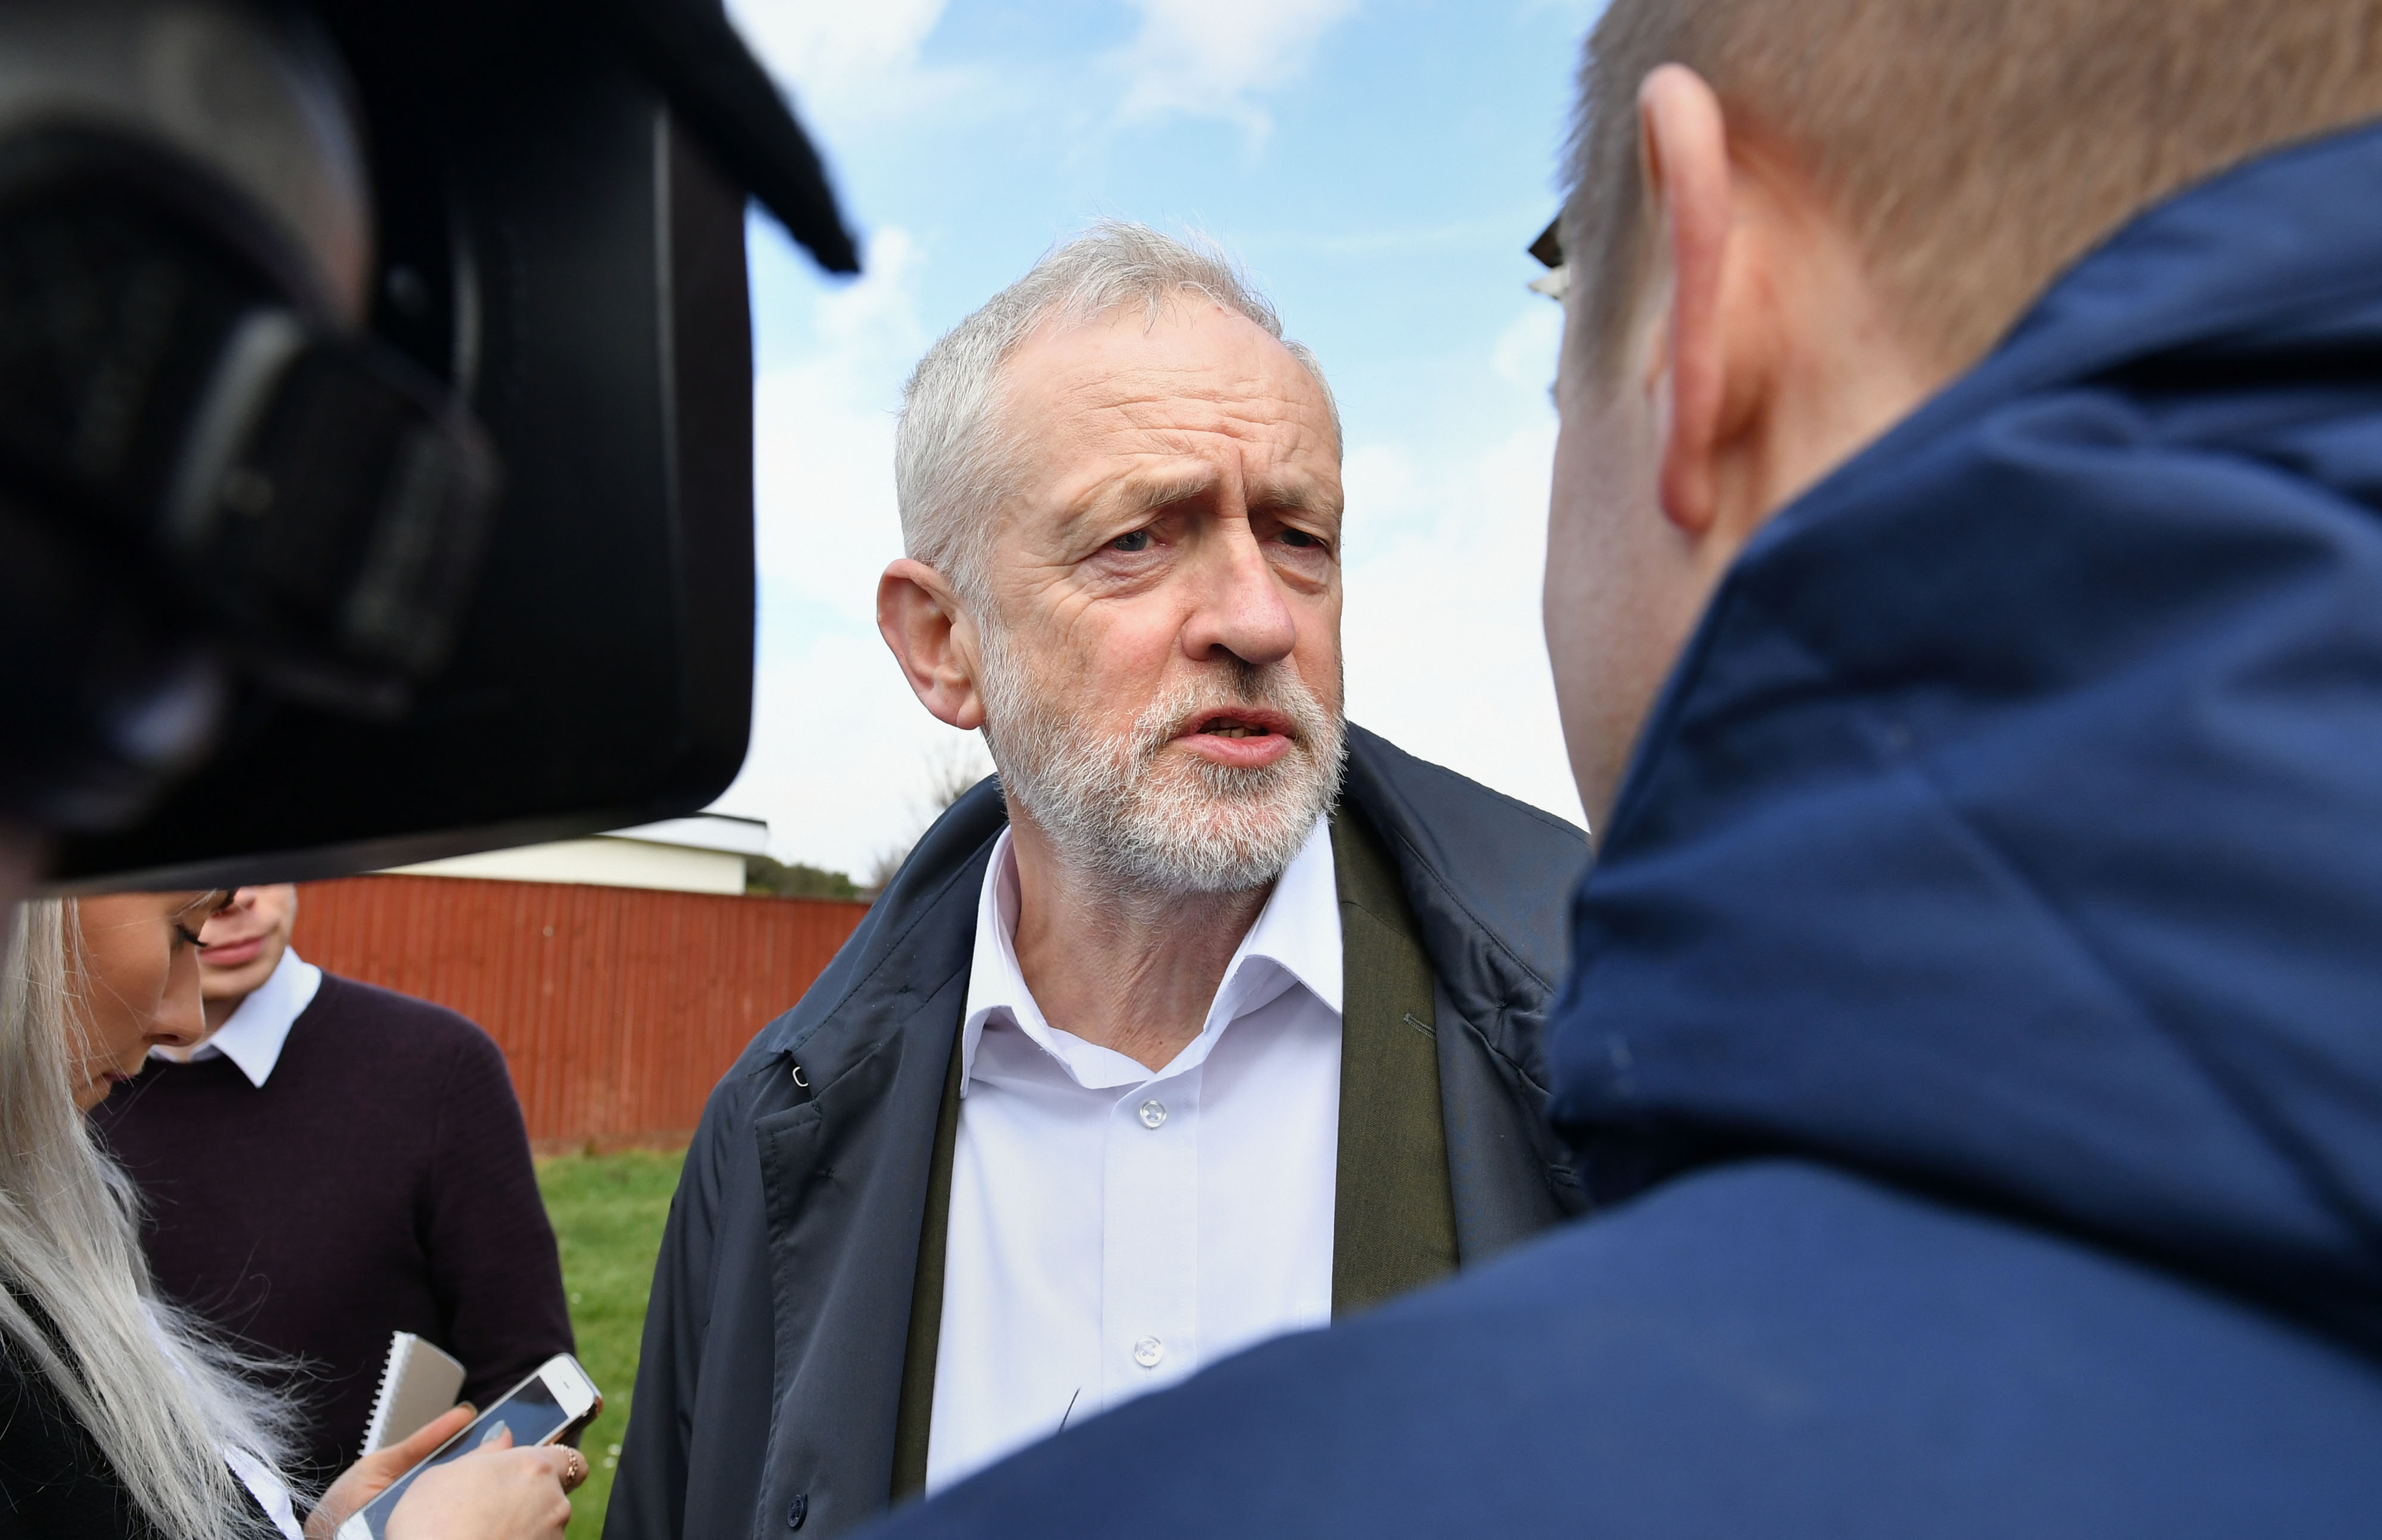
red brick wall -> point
(618, 1008)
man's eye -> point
(1299, 537)
(1136, 541)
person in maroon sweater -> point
(334, 1163)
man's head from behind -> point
(1791, 221)
(1121, 499)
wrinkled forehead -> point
(1195, 391)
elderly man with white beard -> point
(1210, 1017)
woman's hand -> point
(494, 1493)
(368, 1477)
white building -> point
(702, 853)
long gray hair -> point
(161, 1399)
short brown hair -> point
(1972, 148)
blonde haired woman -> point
(118, 1417)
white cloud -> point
(1210, 58)
(823, 438)
(1525, 351)
(858, 68)
(843, 758)
(1447, 546)
(849, 63)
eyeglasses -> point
(1548, 248)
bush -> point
(765, 878)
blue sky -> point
(1379, 165)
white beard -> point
(1200, 827)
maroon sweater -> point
(378, 1181)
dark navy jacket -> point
(773, 1346)
(1979, 1016)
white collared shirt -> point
(1112, 1229)
(253, 1034)
(267, 1487)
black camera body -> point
(556, 295)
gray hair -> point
(162, 1400)
(953, 462)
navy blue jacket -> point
(1977, 1019)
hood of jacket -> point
(1478, 869)
(2012, 826)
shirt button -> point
(1148, 1350)
(1153, 1112)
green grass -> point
(607, 1214)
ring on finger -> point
(574, 1470)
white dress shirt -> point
(253, 1034)
(1112, 1229)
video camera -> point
(375, 424)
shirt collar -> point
(254, 1035)
(1295, 941)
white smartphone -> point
(550, 1406)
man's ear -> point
(933, 639)
(1684, 141)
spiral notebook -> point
(418, 1384)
